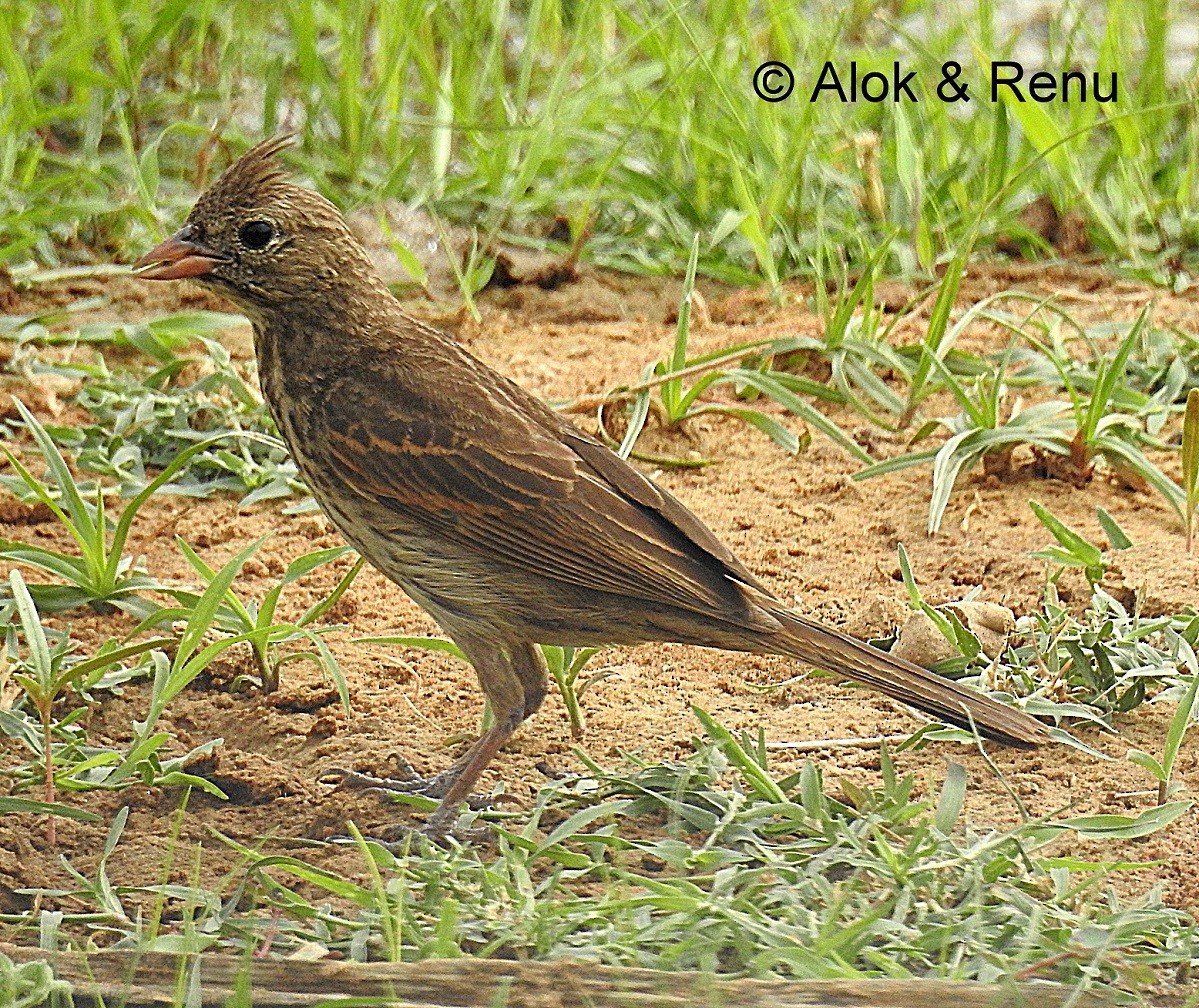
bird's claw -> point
(352, 780)
(412, 784)
(441, 824)
(398, 838)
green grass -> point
(636, 121)
(256, 621)
(712, 862)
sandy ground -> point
(809, 532)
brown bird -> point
(508, 525)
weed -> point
(1163, 769)
(46, 674)
(1190, 465)
(141, 421)
(566, 664)
(1089, 427)
(192, 655)
(1105, 660)
(101, 575)
(677, 402)
(255, 622)
(1079, 668)
(73, 764)
(1072, 549)
(30, 984)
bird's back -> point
(455, 459)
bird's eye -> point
(256, 234)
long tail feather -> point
(842, 655)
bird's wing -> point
(499, 474)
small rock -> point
(923, 644)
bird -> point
(506, 523)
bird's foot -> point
(440, 825)
(399, 838)
(411, 783)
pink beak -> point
(176, 258)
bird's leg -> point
(514, 678)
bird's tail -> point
(843, 655)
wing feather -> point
(509, 480)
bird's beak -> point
(176, 258)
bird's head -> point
(263, 241)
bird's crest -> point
(250, 180)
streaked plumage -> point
(509, 525)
